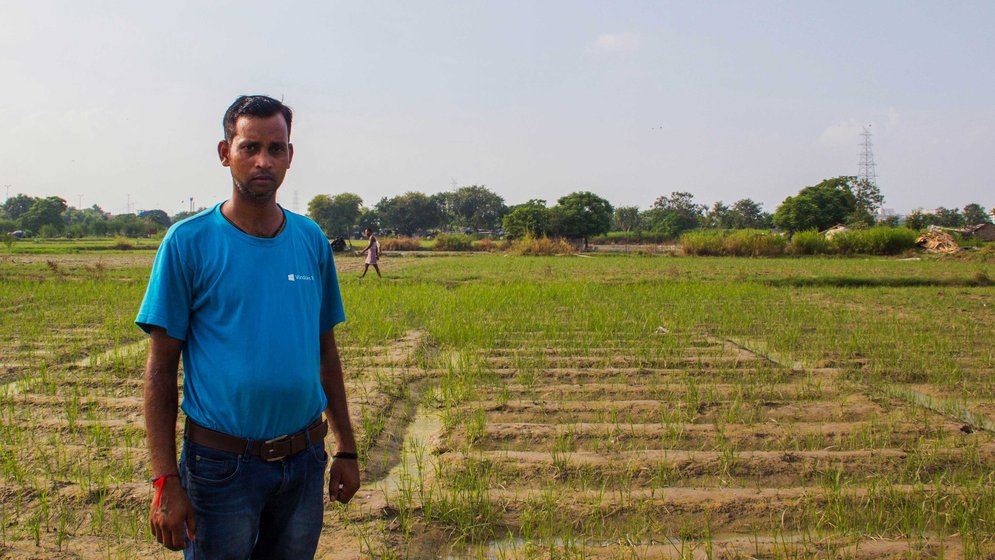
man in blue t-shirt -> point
(247, 294)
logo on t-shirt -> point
(294, 277)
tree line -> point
(845, 200)
(52, 217)
(474, 209)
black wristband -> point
(346, 455)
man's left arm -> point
(344, 474)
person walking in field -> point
(372, 253)
(247, 295)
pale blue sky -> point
(630, 100)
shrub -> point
(453, 242)
(400, 244)
(754, 243)
(489, 245)
(734, 243)
(874, 241)
(702, 243)
(542, 246)
(123, 243)
(637, 237)
(809, 242)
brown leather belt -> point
(270, 450)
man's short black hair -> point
(254, 106)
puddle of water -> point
(415, 463)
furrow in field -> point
(665, 390)
(691, 546)
(645, 375)
(625, 361)
(547, 349)
(766, 436)
(671, 512)
(703, 410)
(679, 467)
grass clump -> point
(401, 244)
(873, 241)
(453, 242)
(489, 245)
(761, 243)
(541, 246)
(733, 243)
(637, 237)
(122, 243)
(809, 242)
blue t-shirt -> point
(249, 311)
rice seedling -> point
(570, 419)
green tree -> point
(475, 207)
(717, 216)
(918, 219)
(581, 215)
(16, 206)
(158, 219)
(625, 218)
(186, 214)
(84, 216)
(975, 214)
(128, 225)
(445, 201)
(409, 213)
(948, 217)
(747, 214)
(890, 221)
(368, 218)
(868, 199)
(45, 212)
(675, 214)
(337, 214)
(530, 218)
(827, 204)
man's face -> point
(259, 155)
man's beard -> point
(255, 195)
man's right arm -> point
(161, 407)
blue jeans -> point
(247, 507)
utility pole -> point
(865, 167)
(191, 204)
(866, 191)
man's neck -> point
(262, 219)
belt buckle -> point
(271, 450)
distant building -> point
(984, 232)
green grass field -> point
(609, 406)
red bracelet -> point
(157, 483)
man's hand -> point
(343, 480)
(174, 512)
